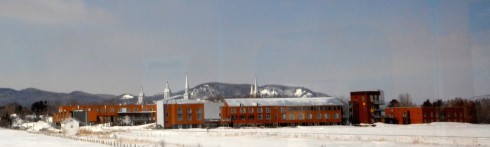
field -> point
(434, 134)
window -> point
(309, 116)
(242, 117)
(96, 109)
(371, 98)
(259, 110)
(301, 116)
(179, 114)
(318, 116)
(260, 117)
(336, 116)
(327, 116)
(232, 110)
(425, 115)
(267, 110)
(251, 117)
(283, 110)
(179, 111)
(112, 109)
(268, 117)
(363, 98)
(199, 116)
(250, 110)
(242, 110)
(179, 117)
(135, 109)
(103, 109)
(431, 114)
(284, 117)
(291, 116)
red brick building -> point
(418, 115)
(113, 114)
(273, 112)
(365, 106)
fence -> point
(110, 142)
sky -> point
(429, 49)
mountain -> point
(481, 97)
(28, 96)
(213, 90)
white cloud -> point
(52, 12)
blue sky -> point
(430, 49)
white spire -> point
(255, 89)
(166, 91)
(251, 89)
(186, 90)
(140, 97)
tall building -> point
(365, 106)
(186, 91)
(166, 92)
(140, 97)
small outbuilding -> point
(70, 126)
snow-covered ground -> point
(434, 134)
(17, 138)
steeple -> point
(254, 89)
(186, 90)
(141, 96)
(166, 91)
(251, 89)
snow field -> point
(17, 138)
(434, 134)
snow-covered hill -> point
(225, 90)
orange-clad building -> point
(272, 112)
(417, 115)
(184, 115)
(114, 114)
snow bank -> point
(38, 126)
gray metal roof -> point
(314, 101)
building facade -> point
(274, 112)
(113, 114)
(418, 115)
(366, 107)
(176, 114)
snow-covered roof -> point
(315, 101)
(182, 101)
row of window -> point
(447, 114)
(189, 117)
(284, 117)
(283, 109)
(189, 111)
(314, 108)
(111, 109)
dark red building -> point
(274, 112)
(417, 115)
(365, 107)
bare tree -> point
(405, 100)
